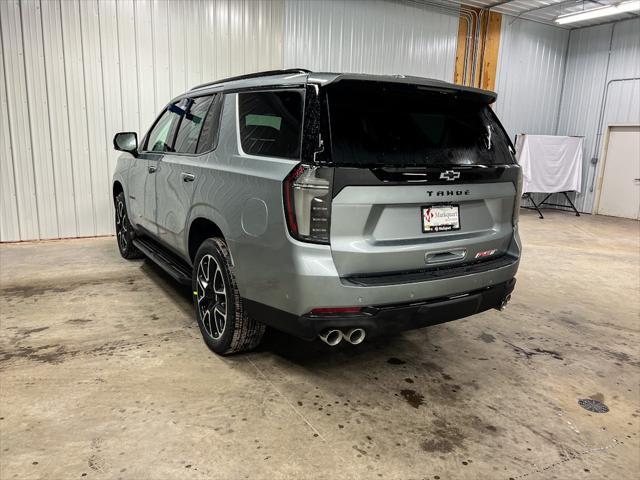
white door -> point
(620, 193)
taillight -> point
(307, 203)
(516, 206)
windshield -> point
(382, 125)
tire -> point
(124, 230)
(225, 326)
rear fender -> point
(203, 210)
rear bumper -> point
(377, 320)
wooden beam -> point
(491, 51)
(486, 51)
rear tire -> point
(124, 230)
(225, 326)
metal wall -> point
(589, 69)
(531, 65)
(75, 72)
(374, 37)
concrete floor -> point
(104, 375)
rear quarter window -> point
(271, 123)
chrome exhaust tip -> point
(504, 302)
(355, 336)
(331, 337)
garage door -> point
(620, 194)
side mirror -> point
(126, 142)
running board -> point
(169, 262)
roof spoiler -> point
(427, 84)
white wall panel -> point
(74, 72)
(39, 124)
(78, 117)
(530, 74)
(384, 37)
(58, 116)
(25, 202)
(9, 223)
(95, 113)
(111, 84)
(589, 69)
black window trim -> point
(214, 99)
(290, 88)
(218, 97)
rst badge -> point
(486, 253)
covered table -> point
(550, 164)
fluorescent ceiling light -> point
(628, 6)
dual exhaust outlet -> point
(333, 336)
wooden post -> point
(491, 51)
(487, 51)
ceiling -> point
(546, 11)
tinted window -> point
(271, 123)
(387, 126)
(193, 118)
(209, 133)
(160, 138)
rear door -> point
(180, 171)
(422, 180)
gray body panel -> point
(378, 229)
(373, 229)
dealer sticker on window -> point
(440, 218)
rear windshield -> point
(411, 127)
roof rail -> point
(266, 73)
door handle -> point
(445, 256)
(152, 168)
(188, 177)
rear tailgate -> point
(424, 178)
(378, 229)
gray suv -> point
(324, 205)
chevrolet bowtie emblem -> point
(449, 175)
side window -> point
(209, 134)
(271, 123)
(160, 138)
(195, 111)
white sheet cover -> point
(550, 163)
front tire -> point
(124, 230)
(224, 324)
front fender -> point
(120, 175)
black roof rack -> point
(266, 73)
